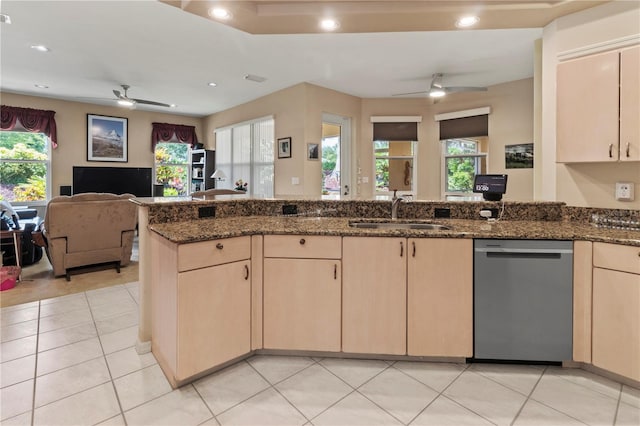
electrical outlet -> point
(295, 180)
(624, 191)
(365, 179)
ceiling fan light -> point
(436, 93)
(467, 21)
(126, 102)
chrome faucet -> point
(395, 201)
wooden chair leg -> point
(68, 275)
(118, 267)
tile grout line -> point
(353, 390)
(213, 416)
(356, 390)
(615, 417)
(528, 397)
(273, 386)
(442, 394)
(104, 356)
(35, 370)
(553, 408)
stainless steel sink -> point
(400, 225)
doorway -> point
(336, 143)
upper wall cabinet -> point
(598, 108)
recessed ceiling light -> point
(467, 21)
(4, 18)
(40, 47)
(329, 24)
(219, 13)
(41, 86)
(212, 84)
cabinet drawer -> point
(617, 257)
(211, 253)
(303, 246)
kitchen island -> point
(259, 256)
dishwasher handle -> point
(497, 252)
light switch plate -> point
(625, 191)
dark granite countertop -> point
(209, 229)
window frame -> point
(414, 171)
(47, 163)
(186, 165)
(477, 156)
(230, 168)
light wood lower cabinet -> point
(302, 304)
(214, 317)
(616, 309)
(201, 317)
(374, 295)
(440, 297)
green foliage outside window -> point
(461, 170)
(172, 168)
(23, 166)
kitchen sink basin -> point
(400, 225)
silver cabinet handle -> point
(246, 272)
(628, 148)
(219, 246)
(610, 150)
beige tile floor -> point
(70, 360)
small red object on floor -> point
(8, 277)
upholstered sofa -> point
(88, 229)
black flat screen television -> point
(491, 186)
(117, 180)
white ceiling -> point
(169, 56)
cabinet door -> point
(374, 296)
(630, 104)
(302, 304)
(214, 317)
(440, 297)
(616, 322)
(587, 109)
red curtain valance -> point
(163, 132)
(33, 120)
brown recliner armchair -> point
(89, 229)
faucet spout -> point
(395, 202)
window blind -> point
(405, 131)
(457, 128)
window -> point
(394, 162)
(461, 162)
(245, 152)
(24, 167)
(172, 168)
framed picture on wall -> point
(284, 148)
(106, 138)
(518, 156)
(313, 151)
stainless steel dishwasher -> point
(523, 300)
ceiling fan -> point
(437, 90)
(125, 100)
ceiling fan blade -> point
(411, 93)
(145, 102)
(464, 89)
